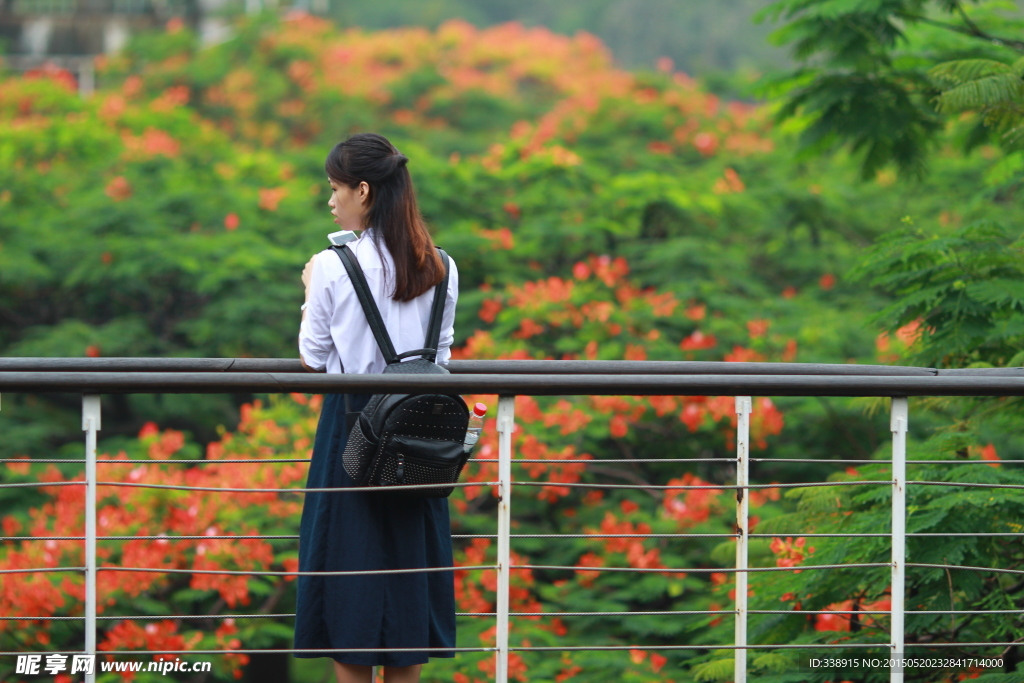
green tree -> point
(864, 77)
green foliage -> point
(863, 80)
(994, 90)
(875, 114)
(962, 292)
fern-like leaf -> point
(965, 70)
(982, 93)
(716, 670)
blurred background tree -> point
(714, 40)
(701, 38)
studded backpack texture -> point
(406, 439)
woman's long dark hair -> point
(393, 213)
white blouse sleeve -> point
(444, 346)
(315, 341)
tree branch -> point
(1010, 647)
(977, 32)
(971, 29)
(273, 598)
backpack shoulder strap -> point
(437, 309)
(362, 289)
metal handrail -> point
(513, 384)
(502, 367)
(574, 367)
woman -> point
(351, 531)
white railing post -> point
(898, 425)
(90, 425)
(743, 408)
(506, 423)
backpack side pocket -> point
(358, 455)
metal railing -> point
(92, 377)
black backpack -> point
(405, 439)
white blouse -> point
(335, 335)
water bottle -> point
(476, 425)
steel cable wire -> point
(254, 572)
(356, 489)
(703, 570)
(714, 487)
(956, 566)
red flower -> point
(698, 341)
(827, 281)
(742, 355)
(152, 142)
(691, 416)
(706, 144)
(730, 182)
(231, 221)
(766, 420)
(271, 197)
(527, 328)
(909, 333)
(118, 189)
(149, 429)
(758, 328)
(489, 310)
(635, 352)
(790, 553)
(589, 560)
(690, 506)
(55, 74)
(500, 239)
(789, 355)
(170, 99)
(835, 622)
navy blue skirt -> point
(349, 531)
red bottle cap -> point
(480, 409)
